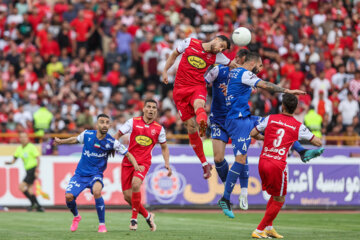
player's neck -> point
(147, 120)
(206, 47)
(100, 136)
(287, 114)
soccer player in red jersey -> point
(144, 134)
(190, 86)
(281, 131)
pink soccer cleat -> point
(102, 229)
(75, 223)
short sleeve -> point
(17, 152)
(305, 134)
(222, 59)
(262, 125)
(127, 127)
(80, 138)
(211, 75)
(34, 151)
(250, 79)
(120, 148)
(183, 45)
(162, 136)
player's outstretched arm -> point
(169, 62)
(71, 140)
(275, 88)
(12, 162)
(166, 155)
(316, 141)
(134, 162)
(255, 134)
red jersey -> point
(281, 131)
(194, 63)
(143, 138)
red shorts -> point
(127, 174)
(273, 176)
(184, 99)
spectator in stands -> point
(348, 108)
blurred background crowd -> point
(63, 62)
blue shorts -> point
(239, 131)
(218, 132)
(77, 184)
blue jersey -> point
(240, 83)
(218, 75)
(95, 153)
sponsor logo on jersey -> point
(196, 62)
(93, 154)
(143, 140)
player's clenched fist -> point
(165, 77)
(57, 141)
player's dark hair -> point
(102, 115)
(242, 52)
(252, 56)
(227, 40)
(290, 102)
(150, 101)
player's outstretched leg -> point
(272, 210)
(71, 204)
(244, 180)
(100, 206)
(197, 145)
(307, 154)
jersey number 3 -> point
(280, 132)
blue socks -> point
(100, 208)
(72, 206)
(222, 169)
(244, 177)
(298, 147)
(231, 179)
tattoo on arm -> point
(272, 87)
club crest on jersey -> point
(107, 145)
(196, 62)
(143, 140)
(153, 131)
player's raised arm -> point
(275, 88)
(306, 134)
(70, 140)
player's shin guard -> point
(27, 194)
(231, 179)
(100, 208)
(197, 145)
(222, 169)
(73, 208)
(270, 214)
(298, 147)
(201, 115)
(143, 211)
(244, 179)
(135, 204)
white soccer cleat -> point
(243, 202)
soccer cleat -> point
(151, 222)
(273, 233)
(243, 202)
(29, 209)
(202, 127)
(207, 170)
(102, 229)
(310, 154)
(40, 209)
(75, 223)
(133, 225)
(262, 234)
(226, 207)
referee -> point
(30, 156)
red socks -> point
(135, 204)
(267, 207)
(197, 145)
(201, 115)
(271, 212)
(137, 207)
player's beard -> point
(104, 131)
(255, 70)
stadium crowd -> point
(63, 62)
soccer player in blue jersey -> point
(98, 145)
(238, 125)
(218, 77)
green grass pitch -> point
(197, 226)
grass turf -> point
(56, 225)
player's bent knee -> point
(69, 197)
(97, 193)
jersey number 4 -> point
(280, 132)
